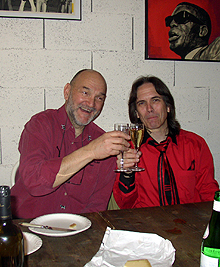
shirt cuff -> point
(127, 182)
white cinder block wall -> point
(38, 57)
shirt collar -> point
(147, 137)
(191, 54)
(65, 122)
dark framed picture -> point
(48, 9)
(180, 30)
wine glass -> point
(123, 127)
(137, 134)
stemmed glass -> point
(123, 127)
(137, 134)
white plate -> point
(31, 243)
(63, 220)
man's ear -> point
(203, 31)
(168, 109)
(66, 91)
(137, 114)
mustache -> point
(86, 108)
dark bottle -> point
(210, 250)
(11, 238)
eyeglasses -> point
(182, 18)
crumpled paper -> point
(119, 246)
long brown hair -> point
(162, 89)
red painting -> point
(157, 45)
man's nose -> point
(91, 102)
(173, 23)
(149, 107)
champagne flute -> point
(137, 135)
(123, 127)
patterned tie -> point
(168, 192)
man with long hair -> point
(178, 164)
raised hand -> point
(109, 144)
(130, 157)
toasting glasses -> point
(123, 127)
(137, 134)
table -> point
(183, 225)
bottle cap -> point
(4, 191)
(217, 195)
(5, 203)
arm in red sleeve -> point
(39, 161)
(206, 184)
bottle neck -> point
(5, 207)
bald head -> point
(85, 96)
(88, 72)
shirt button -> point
(62, 207)
(65, 194)
(72, 143)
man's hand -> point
(130, 157)
(109, 144)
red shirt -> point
(192, 165)
(33, 194)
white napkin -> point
(119, 246)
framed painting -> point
(177, 30)
(46, 9)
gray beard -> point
(70, 111)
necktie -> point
(168, 193)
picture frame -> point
(157, 45)
(42, 9)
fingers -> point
(118, 139)
(120, 134)
(109, 144)
(120, 144)
(130, 157)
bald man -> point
(66, 160)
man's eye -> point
(140, 103)
(100, 98)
